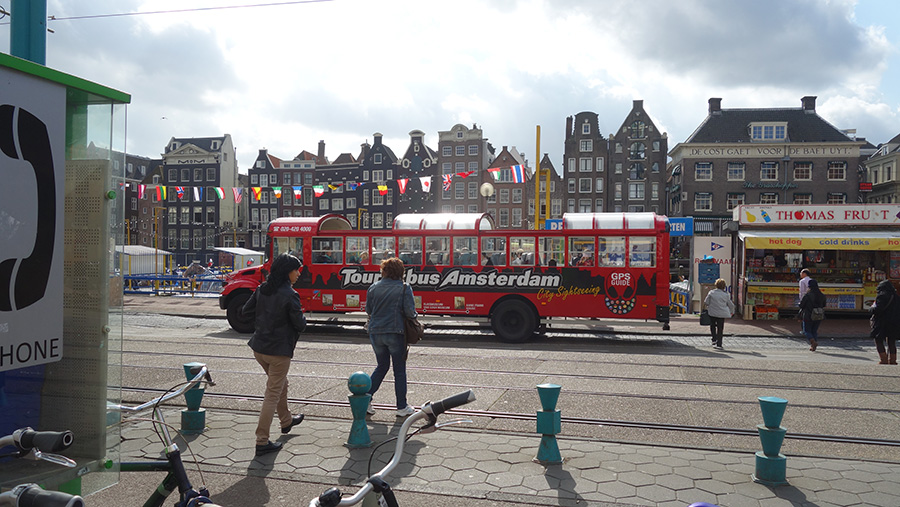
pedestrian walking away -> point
(388, 302)
(720, 307)
(886, 322)
(812, 312)
(279, 322)
(804, 286)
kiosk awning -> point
(821, 240)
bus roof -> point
(329, 222)
(443, 221)
(643, 220)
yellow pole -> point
(537, 178)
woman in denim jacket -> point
(388, 302)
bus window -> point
(411, 250)
(521, 251)
(612, 251)
(357, 250)
(581, 251)
(327, 250)
(438, 251)
(293, 246)
(493, 251)
(382, 248)
(465, 251)
(552, 251)
(643, 252)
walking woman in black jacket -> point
(886, 321)
(812, 299)
(279, 321)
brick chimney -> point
(568, 128)
(809, 104)
(715, 106)
(321, 152)
(638, 104)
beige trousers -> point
(276, 396)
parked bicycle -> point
(38, 445)
(177, 475)
(377, 483)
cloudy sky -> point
(284, 77)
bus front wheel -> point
(513, 321)
(236, 319)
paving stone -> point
(880, 498)
(695, 495)
(655, 493)
(850, 486)
(671, 461)
(468, 477)
(504, 479)
(617, 490)
(491, 466)
(434, 473)
(714, 487)
(636, 478)
(738, 500)
(619, 466)
(675, 482)
(692, 472)
(729, 477)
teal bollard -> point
(771, 465)
(359, 384)
(193, 418)
(549, 424)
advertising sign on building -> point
(681, 226)
(761, 215)
(32, 167)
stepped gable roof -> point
(732, 126)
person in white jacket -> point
(720, 307)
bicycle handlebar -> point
(431, 410)
(47, 441)
(31, 495)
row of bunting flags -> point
(518, 176)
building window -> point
(376, 159)
(635, 208)
(377, 198)
(517, 196)
(460, 151)
(703, 171)
(617, 194)
(655, 145)
(377, 221)
(185, 175)
(504, 217)
(736, 171)
(460, 166)
(210, 214)
(768, 198)
(473, 166)
(636, 171)
(768, 171)
(637, 151)
(837, 171)
(618, 168)
(571, 185)
(598, 185)
(803, 171)
(210, 174)
(570, 206)
(768, 131)
(802, 198)
(460, 208)
(584, 165)
(584, 185)
(556, 207)
(173, 175)
(598, 205)
(504, 196)
(637, 129)
(837, 198)
(618, 147)
(733, 200)
(584, 205)
(460, 190)
(446, 151)
(473, 208)
(655, 168)
(571, 165)
(517, 217)
(636, 190)
(378, 176)
(599, 164)
(654, 190)
(473, 149)
(585, 145)
(702, 201)
(198, 174)
(323, 204)
(337, 205)
(473, 190)
(585, 128)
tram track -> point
(644, 425)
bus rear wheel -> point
(236, 319)
(513, 321)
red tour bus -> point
(602, 265)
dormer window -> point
(772, 131)
(377, 158)
(215, 145)
(586, 128)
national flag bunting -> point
(298, 192)
(448, 178)
(198, 194)
(495, 172)
(238, 194)
(352, 185)
(465, 174)
(141, 189)
(180, 192)
(160, 193)
(319, 190)
(426, 183)
(220, 192)
(382, 189)
(401, 184)
(518, 173)
(257, 193)
(277, 191)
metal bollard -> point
(549, 424)
(193, 418)
(771, 465)
(359, 384)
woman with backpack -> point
(885, 325)
(812, 312)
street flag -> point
(319, 190)
(220, 192)
(447, 179)
(495, 172)
(426, 183)
(401, 184)
(180, 192)
(298, 192)
(198, 194)
(160, 193)
(141, 189)
(277, 191)
(334, 187)
(465, 174)
(257, 192)
(382, 189)
(518, 173)
(352, 185)
(238, 194)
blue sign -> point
(553, 224)
(681, 226)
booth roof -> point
(237, 250)
(140, 250)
